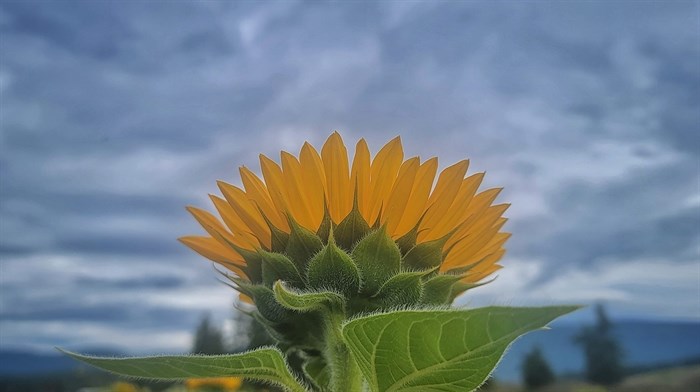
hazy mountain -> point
(644, 343)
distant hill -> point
(645, 343)
(18, 363)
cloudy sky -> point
(116, 115)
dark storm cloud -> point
(115, 115)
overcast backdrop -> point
(116, 115)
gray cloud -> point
(116, 115)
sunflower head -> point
(379, 233)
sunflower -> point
(319, 193)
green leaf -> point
(317, 370)
(277, 266)
(308, 301)
(402, 289)
(351, 229)
(264, 364)
(446, 350)
(332, 269)
(302, 245)
(378, 259)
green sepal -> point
(438, 289)
(460, 270)
(351, 229)
(318, 372)
(266, 303)
(277, 266)
(334, 270)
(303, 244)
(265, 364)
(326, 225)
(278, 237)
(378, 258)
(425, 255)
(402, 289)
(308, 301)
(407, 241)
(460, 287)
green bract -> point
(363, 311)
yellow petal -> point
(401, 192)
(383, 174)
(494, 244)
(257, 192)
(242, 236)
(210, 224)
(478, 206)
(360, 178)
(458, 211)
(297, 203)
(248, 212)
(335, 162)
(488, 262)
(422, 186)
(488, 218)
(246, 299)
(477, 276)
(461, 258)
(212, 250)
(441, 200)
(314, 183)
(274, 180)
(464, 251)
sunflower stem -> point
(345, 373)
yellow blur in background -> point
(218, 383)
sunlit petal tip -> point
(462, 165)
(335, 135)
(222, 184)
(194, 210)
(287, 155)
(431, 161)
(394, 145)
(503, 206)
(243, 169)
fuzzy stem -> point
(345, 373)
